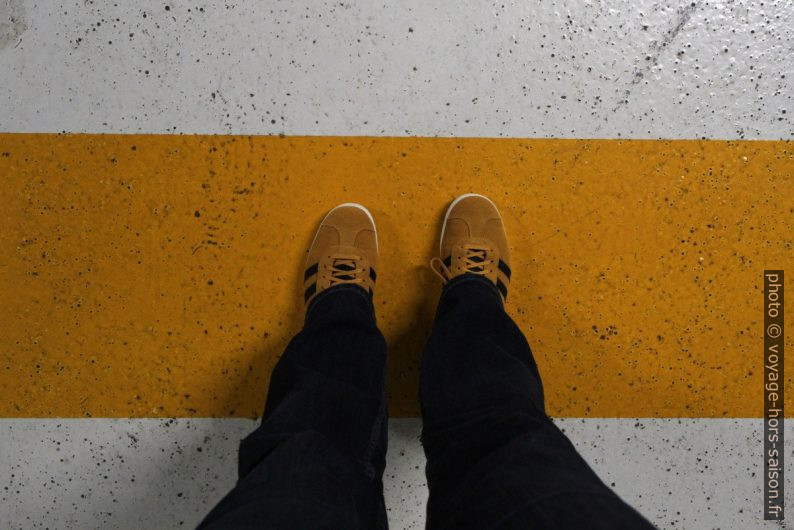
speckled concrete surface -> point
(167, 473)
(631, 68)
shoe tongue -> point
(475, 252)
(477, 255)
(475, 245)
(344, 264)
(344, 258)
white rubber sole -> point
(449, 210)
(354, 205)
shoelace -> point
(475, 261)
(346, 270)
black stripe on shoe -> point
(502, 288)
(448, 261)
(309, 292)
(311, 271)
(372, 274)
(504, 268)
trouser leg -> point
(494, 457)
(317, 459)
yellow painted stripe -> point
(160, 275)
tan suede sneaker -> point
(344, 251)
(473, 241)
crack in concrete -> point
(13, 22)
(655, 50)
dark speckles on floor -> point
(634, 70)
(164, 268)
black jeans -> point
(494, 458)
